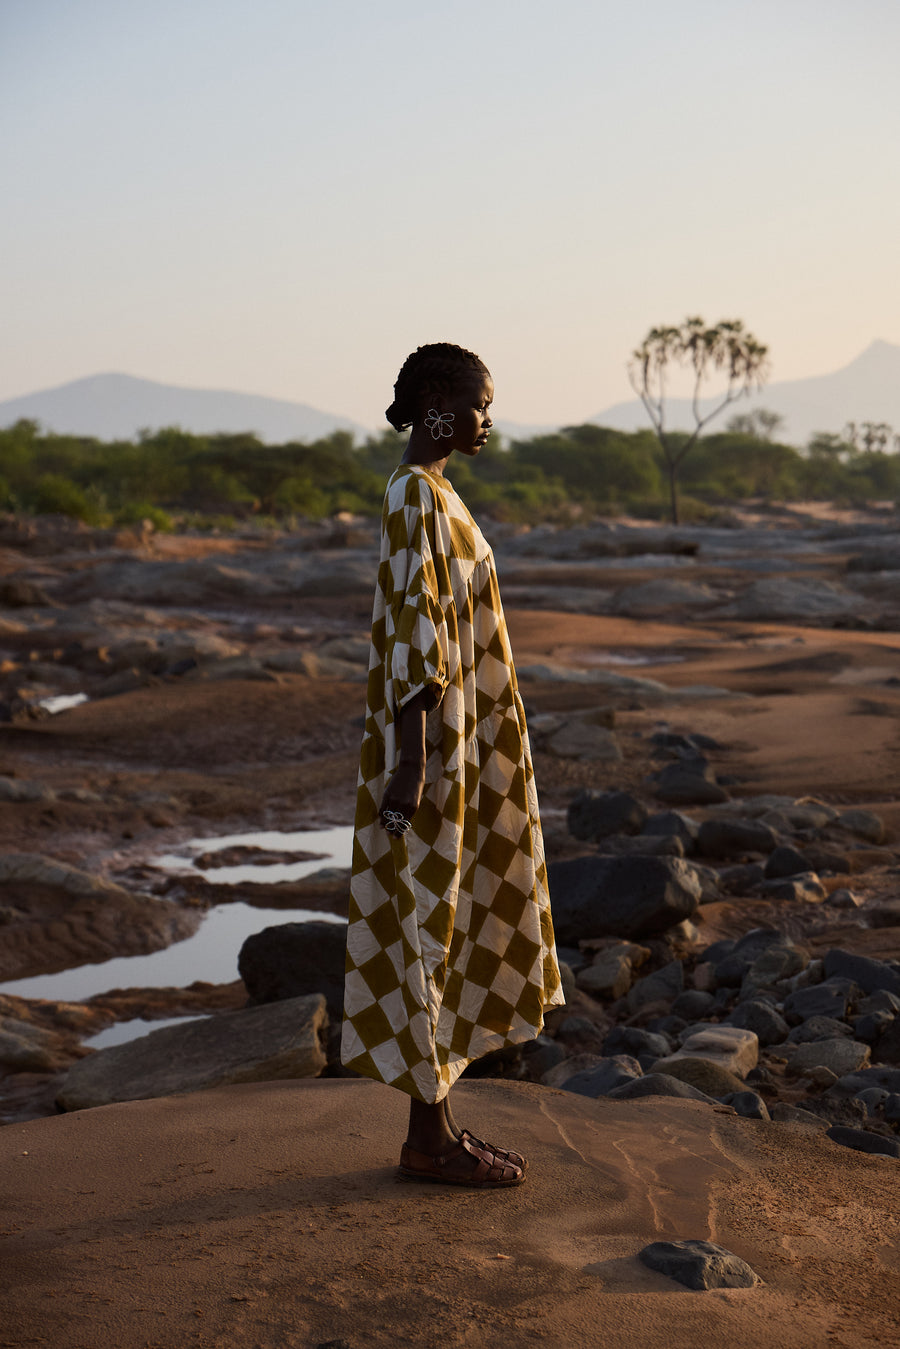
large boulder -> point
(255, 1044)
(593, 815)
(687, 782)
(871, 975)
(799, 601)
(725, 837)
(620, 896)
(291, 960)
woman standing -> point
(450, 949)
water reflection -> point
(332, 848)
(210, 954)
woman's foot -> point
(437, 1149)
(504, 1154)
(466, 1163)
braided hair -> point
(433, 370)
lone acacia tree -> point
(727, 346)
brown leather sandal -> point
(502, 1154)
(493, 1171)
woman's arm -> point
(405, 788)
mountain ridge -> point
(866, 389)
(116, 406)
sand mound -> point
(270, 1215)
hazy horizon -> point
(285, 198)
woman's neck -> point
(423, 451)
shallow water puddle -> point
(593, 656)
(321, 848)
(211, 954)
(123, 1031)
(61, 702)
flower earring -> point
(439, 423)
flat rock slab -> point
(255, 1044)
(729, 1047)
(700, 1265)
(270, 1214)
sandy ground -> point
(269, 1215)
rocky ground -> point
(716, 718)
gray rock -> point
(724, 837)
(31, 869)
(693, 1004)
(633, 1040)
(780, 597)
(661, 596)
(605, 1077)
(879, 1076)
(255, 1044)
(582, 739)
(26, 1048)
(785, 861)
(782, 1113)
(840, 1056)
(659, 1084)
(641, 845)
(863, 1141)
(662, 985)
(830, 999)
(880, 1001)
(592, 815)
(805, 888)
(864, 824)
(873, 1098)
(872, 1026)
(539, 1056)
(568, 1067)
(747, 1104)
(580, 1033)
(729, 1048)
(742, 878)
(672, 822)
(887, 1048)
(871, 975)
(818, 1028)
(843, 899)
(767, 1024)
(700, 1265)
(620, 896)
(15, 789)
(291, 960)
(770, 967)
(688, 782)
(891, 1108)
(612, 971)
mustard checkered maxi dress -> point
(450, 949)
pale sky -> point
(285, 197)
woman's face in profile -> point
(470, 407)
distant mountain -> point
(116, 407)
(866, 390)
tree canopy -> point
(724, 347)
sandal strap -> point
(502, 1154)
(491, 1168)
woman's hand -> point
(403, 792)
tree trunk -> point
(673, 492)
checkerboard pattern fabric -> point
(450, 950)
